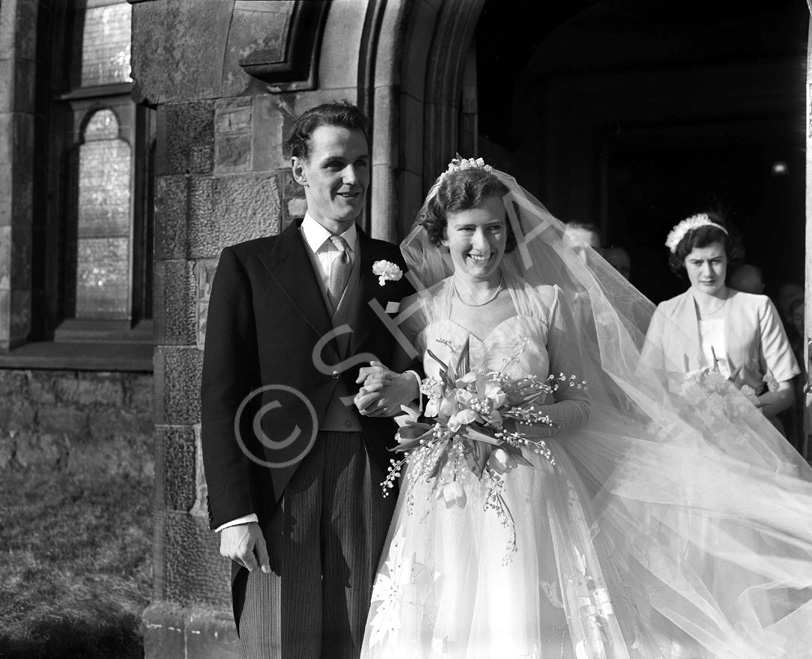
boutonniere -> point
(386, 271)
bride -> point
(601, 530)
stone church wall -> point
(74, 420)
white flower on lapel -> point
(386, 271)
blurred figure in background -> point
(747, 278)
(584, 233)
(620, 260)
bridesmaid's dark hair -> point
(458, 191)
(704, 236)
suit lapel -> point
(289, 264)
(368, 290)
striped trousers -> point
(324, 542)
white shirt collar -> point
(316, 235)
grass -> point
(75, 565)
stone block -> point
(195, 632)
(21, 257)
(6, 246)
(293, 204)
(41, 450)
(421, 31)
(272, 121)
(179, 49)
(233, 116)
(204, 271)
(412, 122)
(6, 182)
(106, 423)
(190, 138)
(19, 317)
(177, 385)
(174, 303)
(194, 570)
(179, 467)
(212, 635)
(233, 153)
(25, 37)
(116, 455)
(12, 383)
(346, 17)
(61, 419)
(247, 208)
(5, 319)
(256, 26)
(138, 393)
(100, 389)
(8, 449)
(163, 628)
(201, 507)
(242, 208)
(171, 217)
(41, 387)
(204, 232)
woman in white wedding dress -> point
(604, 566)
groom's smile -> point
(335, 176)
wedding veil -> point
(705, 507)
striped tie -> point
(339, 272)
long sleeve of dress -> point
(570, 410)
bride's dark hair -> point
(458, 191)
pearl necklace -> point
(704, 314)
(479, 304)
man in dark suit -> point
(293, 470)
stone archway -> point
(414, 66)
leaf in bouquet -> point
(415, 431)
(516, 453)
(448, 378)
(735, 374)
(481, 437)
(464, 361)
(442, 459)
(406, 445)
(476, 456)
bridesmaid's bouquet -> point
(463, 432)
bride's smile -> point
(476, 240)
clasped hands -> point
(383, 391)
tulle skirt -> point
(450, 584)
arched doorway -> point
(615, 113)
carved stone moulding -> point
(296, 68)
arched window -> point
(103, 223)
(101, 210)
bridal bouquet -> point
(462, 433)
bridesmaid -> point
(714, 327)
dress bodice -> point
(445, 339)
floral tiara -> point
(676, 234)
(459, 163)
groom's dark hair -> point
(336, 113)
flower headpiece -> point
(460, 163)
(676, 234)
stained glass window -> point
(103, 229)
(102, 43)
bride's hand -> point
(383, 391)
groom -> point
(293, 471)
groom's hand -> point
(244, 544)
(384, 391)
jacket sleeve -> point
(229, 368)
(776, 353)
